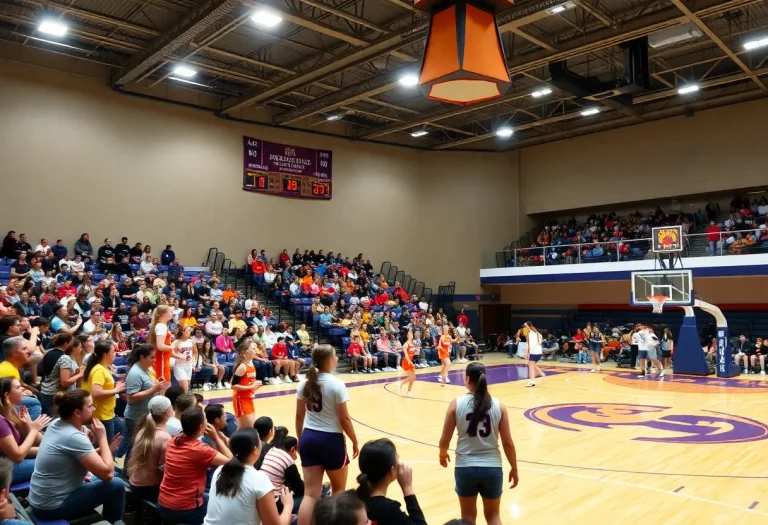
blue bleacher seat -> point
(99, 276)
(119, 361)
(162, 267)
(345, 341)
(19, 487)
(5, 275)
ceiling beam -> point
(719, 81)
(384, 45)
(319, 27)
(716, 39)
(533, 39)
(197, 20)
(595, 11)
(345, 15)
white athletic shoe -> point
(661, 374)
(439, 379)
(206, 387)
(531, 383)
(399, 368)
(447, 381)
(227, 384)
(399, 385)
(409, 394)
(593, 370)
(762, 372)
(219, 386)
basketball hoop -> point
(658, 302)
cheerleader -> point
(244, 384)
(444, 346)
(184, 356)
(160, 339)
(409, 349)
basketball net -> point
(658, 302)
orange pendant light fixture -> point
(464, 60)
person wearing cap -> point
(237, 321)
(149, 447)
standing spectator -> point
(149, 448)
(64, 376)
(713, 237)
(97, 379)
(65, 457)
(187, 459)
(140, 388)
(84, 248)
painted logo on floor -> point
(656, 423)
(688, 384)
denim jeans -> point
(23, 471)
(263, 370)
(33, 406)
(83, 500)
(203, 376)
(713, 247)
(127, 442)
(191, 516)
(113, 427)
(13, 522)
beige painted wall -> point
(78, 157)
(715, 150)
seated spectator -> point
(84, 248)
(66, 456)
(66, 371)
(19, 435)
(182, 496)
(216, 417)
(148, 455)
(207, 359)
(266, 429)
(17, 351)
(280, 467)
(167, 256)
(240, 493)
(265, 369)
(550, 347)
(20, 267)
(341, 509)
(286, 368)
(379, 467)
(181, 401)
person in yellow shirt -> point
(303, 337)
(237, 322)
(97, 379)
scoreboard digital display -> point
(288, 171)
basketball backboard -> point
(675, 285)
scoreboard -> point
(287, 171)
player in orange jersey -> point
(244, 384)
(409, 349)
(160, 339)
(444, 354)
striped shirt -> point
(274, 465)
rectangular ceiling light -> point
(754, 44)
(419, 133)
(590, 111)
(560, 8)
(691, 88)
(52, 27)
(184, 71)
(541, 92)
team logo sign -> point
(654, 423)
(667, 239)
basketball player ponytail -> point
(321, 354)
(242, 444)
(482, 399)
(377, 459)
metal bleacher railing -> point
(409, 284)
(696, 245)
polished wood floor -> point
(596, 448)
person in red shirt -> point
(67, 289)
(462, 318)
(282, 362)
(400, 293)
(259, 268)
(187, 460)
(713, 236)
(355, 352)
(381, 298)
(285, 259)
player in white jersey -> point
(322, 418)
(533, 353)
(480, 420)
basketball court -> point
(592, 447)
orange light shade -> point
(464, 60)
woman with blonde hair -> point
(533, 353)
(160, 339)
(244, 384)
(148, 454)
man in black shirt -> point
(106, 251)
(122, 267)
(123, 317)
(203, 293)
(20, 268)
(320, 258)
(23, 246)
(136, 252)
(127, 290)
(122, 249)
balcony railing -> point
(695, 245)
